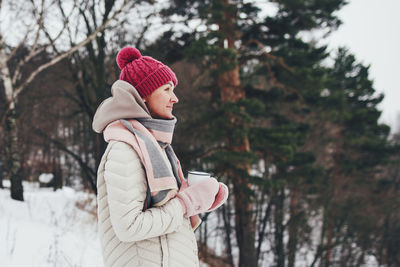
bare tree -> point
(37, 39)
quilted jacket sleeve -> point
(126, 192)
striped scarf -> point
(148, 137)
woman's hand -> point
(198, 198)
(220, 198)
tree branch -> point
(41, 68)
(91, 174)
(66, 19)
(280, 61)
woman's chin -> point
(163, 116)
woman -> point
(147, 213)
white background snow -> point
(49, 229)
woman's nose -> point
(174, 98)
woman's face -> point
(160, 103)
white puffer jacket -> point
(159, 236)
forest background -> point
(290, 126)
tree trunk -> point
(293, 227)
(334, 194)
(11, 143)
(329, 238)
(279, 229)
(1, 174)
(231, 91)
(16, 189)
(244, 222)
(226, 209)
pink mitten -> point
(220, 198)
(199, 197)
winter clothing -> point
(199, 197)
(145, 73)
(220, 198)
(161, 181)
(124, 103)
(129, 236)
(143, 135)
(131, 232)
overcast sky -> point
(371, 30)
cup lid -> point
(199, 173)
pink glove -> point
(198, 198)
(220, 198)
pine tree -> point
(260, 76)
(361, 148)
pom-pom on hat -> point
(145, 73)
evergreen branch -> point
(281, 62)
(211, 151)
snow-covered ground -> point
(49, 229)
(59, 229)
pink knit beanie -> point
(145, 73)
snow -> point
(49, 229)
(46, 177)
(59, 229)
